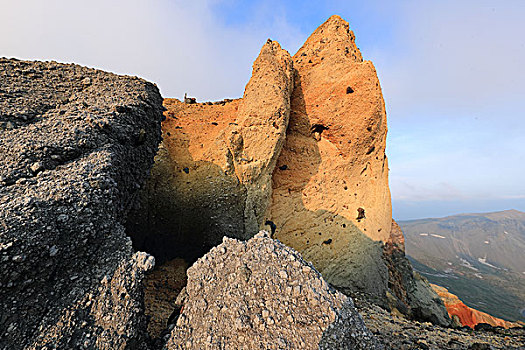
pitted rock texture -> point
(330, 198)
(77, 144)
(260, 294)
(212, 176)
(112, 317)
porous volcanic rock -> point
(330, 198)
(468, 316)
(260, 294)
(302, 153)
(77, 144)
(212, 176)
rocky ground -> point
(161, 288)
(399, 333)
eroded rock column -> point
(331, 199)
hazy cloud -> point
(180, 45)
(451, 72)
(456, 56)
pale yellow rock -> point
(256, 139)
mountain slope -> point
(478, 257)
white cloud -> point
(456, 57)
(180, 45)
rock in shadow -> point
(186, 207)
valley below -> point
(478, 257)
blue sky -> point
(451, 71)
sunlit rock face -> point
(331, 199)
(302, 154)
(213, 172)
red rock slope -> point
(468, 316)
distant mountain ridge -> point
(478, 257)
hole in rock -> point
(317, 130)
(273, 227)
(360, 214)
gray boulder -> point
(76, 145)
(260, 294)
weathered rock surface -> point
(330, 198)
(213, 172)
(77, 144)
(161, 288)
(304, 152)
(111, 317)
(398, 333)
(409, 292)
(468, 316)
(260, 294)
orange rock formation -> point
(330, 185)
(212, 175)
(338, 123)
(303, 152)
(468, 316)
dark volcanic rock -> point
(76, 145)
